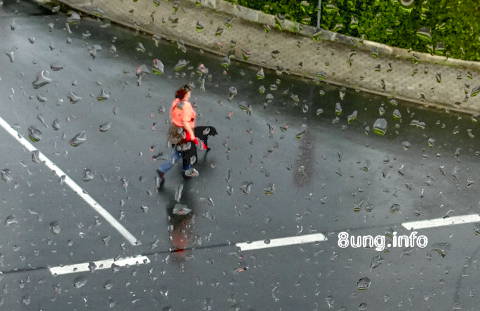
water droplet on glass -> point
(232, 92)
(34, 134)
(92, 266)
(42, 120)
(202, 70)
(380, 126)
(88, 175)
(396, 114)
(55, 227)
(124, 181)
(108, 285)
(56, 67)
(470, 134)
(10, 220)
(418, 124)
(42, 99)
(73, 18)
(181, 209)
(246, 187)
(79, 282)
(158, 67)
(261, 89)
(295, 98)
(363, 283)
(56, 124)
(330, 302)
(78, 139)
(305, 108)
(6, 175)
(475, 91)
(181, 64)
(352, 117)
(376, 261)
(111, 303)
(26, 300)
(269, 190)
(11, 56)
(394, 208)
(338, 109)
(381, 110)
(406, 145)
(140, 71)
(226, 62)
(261, 74)
(105, 126)
(431, 142)
(181, 46)
(41, 80)
(36, 156)
(103, 95)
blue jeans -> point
(175, 156)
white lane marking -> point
(73, 185)
(439, 222)
(301, 239)
(99, 265)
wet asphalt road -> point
(328, 176)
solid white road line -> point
(439, 222)
(301, 239)
(99, 265)
(72, 184)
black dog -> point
(189, 155)
(202, 132)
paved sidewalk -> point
(424, 83)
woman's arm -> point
(187, 118)
(189, 130)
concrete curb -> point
(260, 17)
(157, 18)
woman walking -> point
(181, 136)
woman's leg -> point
(189, 157)
(167, 165)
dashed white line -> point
(255, 245)
(99, 265)
(301, 239)
(440, 222)
(71, 183)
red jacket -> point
(182, 113)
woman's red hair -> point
(181, 92)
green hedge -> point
(442, 27)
